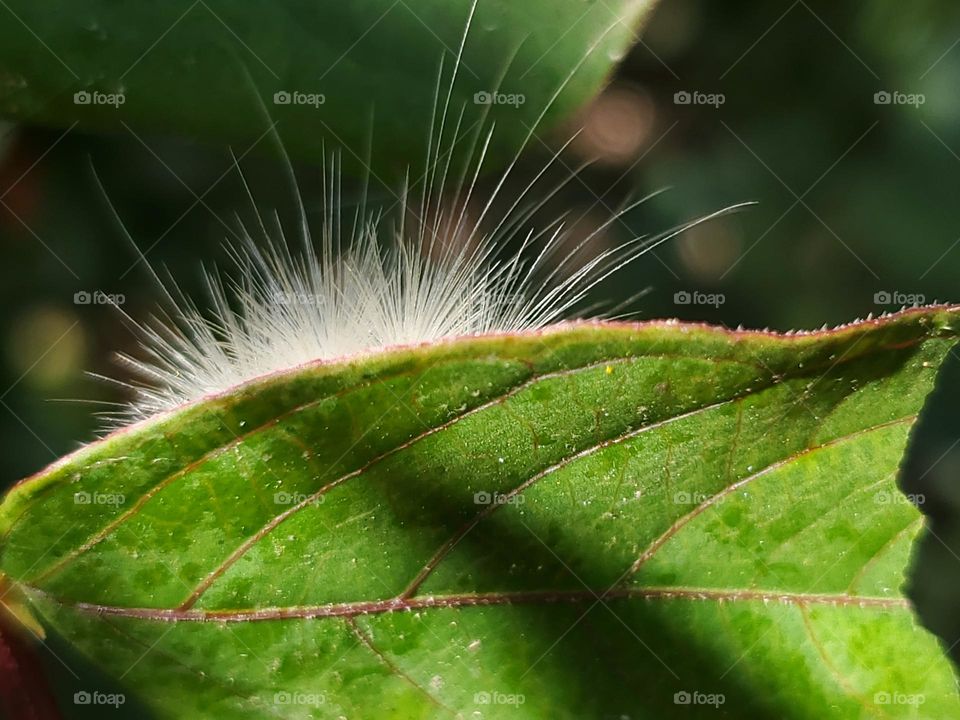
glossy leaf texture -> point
(330, 74)
(600, 520)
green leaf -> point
(677, 509)
(203, 68)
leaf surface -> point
(600, 520)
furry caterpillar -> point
(441, 270)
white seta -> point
(441, 270)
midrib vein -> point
(467, 600)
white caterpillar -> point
(434, 273)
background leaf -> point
(676, 509)
(202, 67)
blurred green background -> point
(858, 199)
(854, 198)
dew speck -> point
(616, 54)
